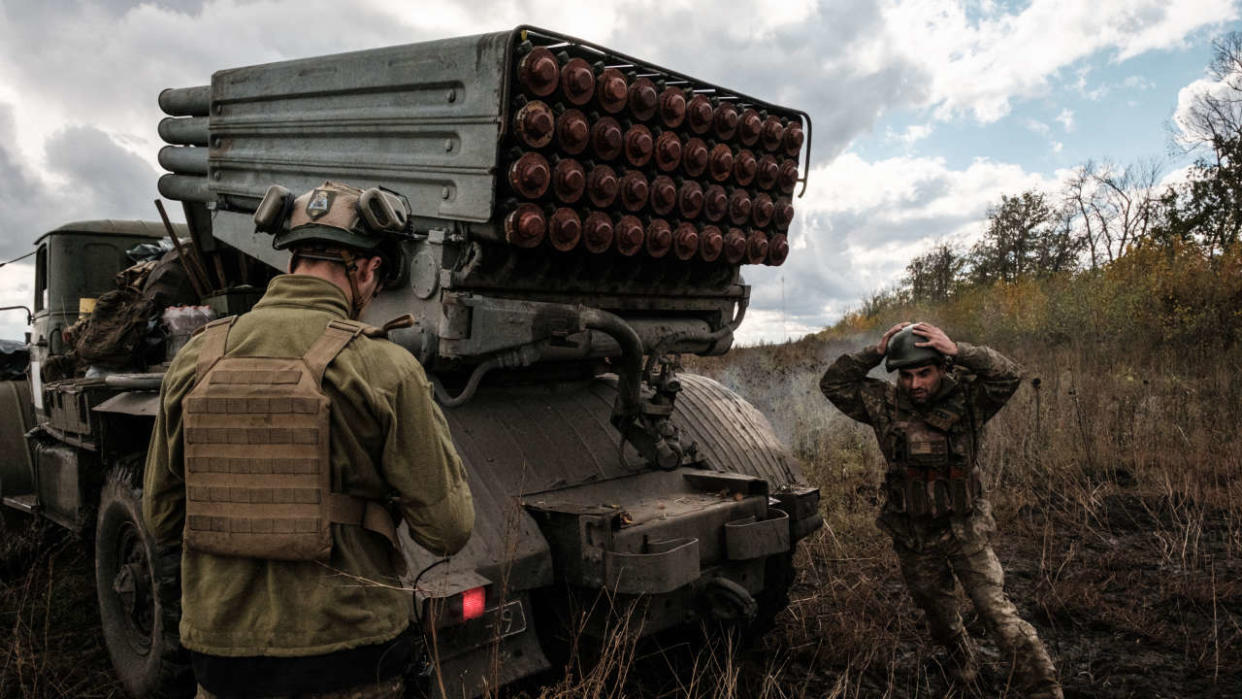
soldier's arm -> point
(998, 377)
(847, 386)
(422, 465)
(163, 482)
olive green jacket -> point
(388, 441)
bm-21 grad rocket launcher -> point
(579, 218)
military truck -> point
(580, 221)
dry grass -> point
(1117, 486)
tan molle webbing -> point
(258, 471)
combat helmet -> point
(335, 221)
(903, 353)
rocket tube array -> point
(628, 164)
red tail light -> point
(472, 603)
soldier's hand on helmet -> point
(882, 348)
(936, 339)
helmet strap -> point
(356, 304)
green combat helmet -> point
(903, 353)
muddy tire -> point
(139, 591)
(778, 577)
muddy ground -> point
(1121, 616)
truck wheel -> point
(139, 591)
(778, 577)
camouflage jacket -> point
(388, 440)
(978, 386)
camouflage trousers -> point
(388, 689)
(933, 560)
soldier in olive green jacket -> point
(260, 627)
(929, 426)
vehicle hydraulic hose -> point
(472, 385)
(670, 340)
(630, 372)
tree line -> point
(1105, 210)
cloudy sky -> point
(925, 111)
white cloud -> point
(82, 79)
(912, 134)
(1066, 119)
(979, 66)
(1187, 122)
(16, 289)
(1137, 82)
(1037, 127)
(861, 222)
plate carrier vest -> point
(926, 476)
(258, 475)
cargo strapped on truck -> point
(258, 470)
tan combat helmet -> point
(335, 222)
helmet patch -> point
(320, 203)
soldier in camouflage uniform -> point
(929, 426)
(279, 626)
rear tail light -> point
(472, 603)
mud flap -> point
(751, 538)
(666, 565)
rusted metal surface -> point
(690, 199)
(638, 145)
(538, 71)
(659, 238)
(643, 99)
(756, 247)
(715, 203)
(629, 235)
(530, 175)
(667, 151)
(672, 107)
(735, 246)
(611, 91)
(762, 210)
(725, 120)
(602, 186)
(787, 177)
(606, 138)
(793, 138)
(739, 207)
(685, 241)
(711, 243)
(744, 167)
(778, 250)
(597, 232)
(694, 157)
(767, 173)
(699, 114)
(783, 213)
(525, 226)
(634, 190)
(577, 81)
(573, 132)
(568, 180)
(663, 195)
(720, 162)
(772, 133)
(564, 229)
(535, 124)
(749, 127)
